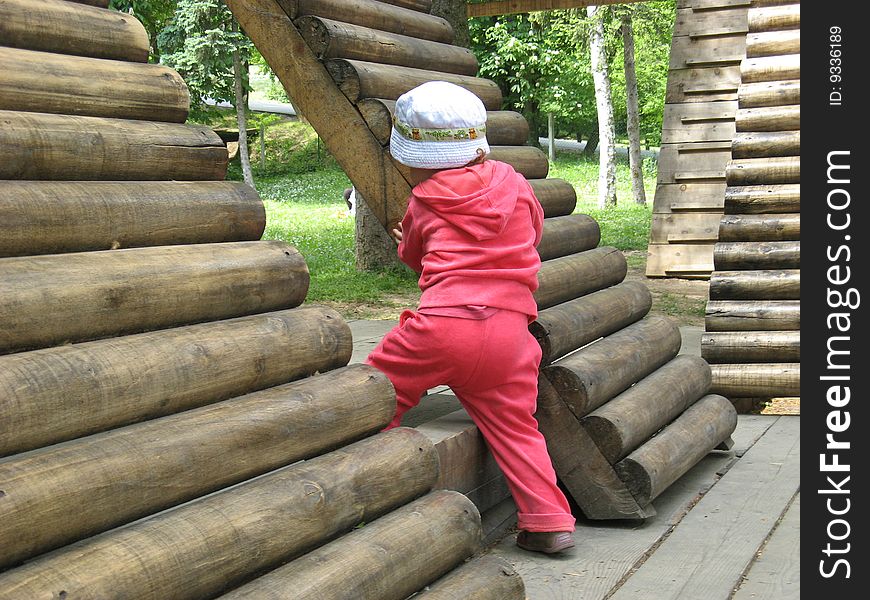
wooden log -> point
(326, 108)
(769, 118)
(774, 18)
(568, 235)
(487, 577)
(737, 256)
(557, 196)
(746, 315)
(756, 171)
(57, 298)
(595, 374)
(50, 217)
(569, 277)
(770, 93)
(763, 144)
(45, 82)
(100, 3)
(118, 476)
(756, 285)
(388, 559)
(571, 325)
(64, 27)
(63, 147)
(632, 417)
(579, 464)
(760, 228)
(503, 127)
(358, 79)
(202, 548)
(377, 15)
(703, 84)
(757, 199)
(770, 68)
(773, 43)
(747, 380)
(419, 5)
(751, 346)
(529, 161)
(70, 391)
(334, 39)
(649, 470)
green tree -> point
(154, 16)
(204, 43)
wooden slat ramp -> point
(752, 338)
(175, 423)
(344, 65)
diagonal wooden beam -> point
(491, 8)
(336, 120)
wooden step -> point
(766, 144)
(760, 228)
(57, 298)
(388, 559)
(773, 43)
(770, 68)
(120, 475)
(557, 196)
(487, 577)
(774, 18)
(202, 548)
(770, 118)
(64, 147)
(565, 327)
(782, 284)
(51, 217)
(44, 82)
(75, 390)
(736, 256)
(749, 315)
(569, 277)
(757, 171)
(528, 161)
(748, 380)
(751, 346)
(757, 199)
(769, 93)
(703, 84)
(67, 28)
(568, 235)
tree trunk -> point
(552, 136)
(455, 13)
(374, 247)
(591, 144)
(241, 109)
(631, 102)
(607, 155)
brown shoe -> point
(548, 542)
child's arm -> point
(410, 244)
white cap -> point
(438, 125)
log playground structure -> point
(177, 423)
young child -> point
(470, 230)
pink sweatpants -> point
(492, 367)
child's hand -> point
(397, 233)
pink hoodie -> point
(472, 232)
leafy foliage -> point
(153, 14)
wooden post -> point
(52, 299)
(45, 82)
(118, 476)
(751, 346)
(747, 380)
(635, 415)
(66, 392)
(769, 93)
(200, 549)
(593, 375)
(747, 315)
(557, 196)
(64, 147)
(585, 473)
(526, 160)
(51, 217)
(756, 285)
(732, 256)
(359, 79)
(568, 235)
(68, 28)
(377, 15)
(650, 469)
(760, 228)
(487, 577)
(569, 277)
(334, 39)
(570, 325)
(419, 5)
(388, 559)
(754, 199)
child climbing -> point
(470, 231)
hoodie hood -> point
(478, 200)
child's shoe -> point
(548, 542)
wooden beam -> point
(508, 7)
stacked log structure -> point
(175, 423)
(709, 41)
(752, 337)
(348, 64)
